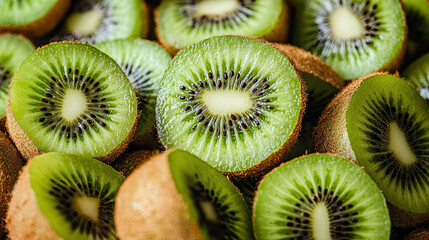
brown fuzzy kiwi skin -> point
(142, 199)
(402, 218)
(128, 162)
(42, 25)
(24, 219)
(3, 124)
(148, 140)
(419, 234)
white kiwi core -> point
(321, 223)
(225, 102)
(74, 104)
(398, 144)
(209, 211)
(216, 7)
(345, 25)
(87, 207)
(84, 23)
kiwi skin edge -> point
(42, 25)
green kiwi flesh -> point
(354, 37)
(13, 50)
(232, 101)
(417, 73)
(320, 196)
(71, 97)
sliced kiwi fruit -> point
(235, 102)
(175, 195)
(144, 63)
(33, 18)
(355, 37)
(10, 166)
(94, 21)
(73, 98)
(182, 22)
(417, 73)
(128, 162)
(320, 196)
(381, 123)
(60, 194)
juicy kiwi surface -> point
(175, 195)
(74, 194)
(181, 22)
(13, 50)
(417, 73)
(320, 196)
(71, 97)
(355, 37)
(234, 102)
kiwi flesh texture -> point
(71, 97)
(178, 196)
(320, 196)
(75, 194)
(417, 74)
(144, 63)
(181, 23)
(237, 104)
(354, 37)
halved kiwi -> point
(61, 195)
(355, 37)
(181, 23)
(417, 73)
(175, 195)
(320, 196)
(71, 97)
(235, 102)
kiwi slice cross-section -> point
(69, 196)
(320, 196)
(417, 74)
(71, 97)
(355, 37)
(180, 23)
(175, 195)
(233, 101)
(144, 63)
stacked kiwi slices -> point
(65, 195)
(175, 195)
(235, 102)
(320, 196)
(355, 37)
(417, 73)
(71, 97)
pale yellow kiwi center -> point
(216, 7)
(345, 25)
(74, 104)
(84, 23)
(320, 219)
(398, 145)
(209, 211)
(225, 102)
(87, 207)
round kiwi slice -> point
(94, 21)
(355, 37)
(417, 73)
(65, 195)
(33, 18)
(73, 98)
(175, 195)
(181, 23)
(13, 50)
(233, 101)
(144, 63)
(320, 196)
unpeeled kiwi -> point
(130, 161)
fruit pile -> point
(233, 119)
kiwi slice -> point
(128, 162)
(144, 63)
(71, 196)
(183, 22)
(33, 18)
(13, 50)
(175, 195)
(355, 37)
(94, 21)
(233, 101)
(417, 73)
(73, 98)
(320, 196)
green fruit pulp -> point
(17, 13)
(417, 73)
